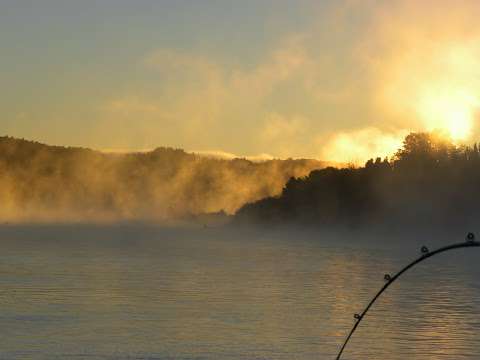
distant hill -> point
(51, 183)
(429, 182)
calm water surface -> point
(126, 293)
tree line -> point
(39, 182)
(429, 181)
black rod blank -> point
(390, 279)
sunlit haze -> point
(240, 179)
(331, 80)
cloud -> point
(131, 106)
(285, 135)
(419, 64)
(363, 65)
(425, 56)
(201, 104)
(358, 146)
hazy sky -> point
(328, 79)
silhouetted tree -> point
(429, 180)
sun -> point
(435, 86)
(447, 111)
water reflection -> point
(167, 295)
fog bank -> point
(41, 183)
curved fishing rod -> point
(470, 242)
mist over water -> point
(52, 184)
(90, 270)
(146, 292)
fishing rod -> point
(426, 253)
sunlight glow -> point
(357, 147)
(449, 112)
(436, 86)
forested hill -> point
(50, 183)
(428, 182)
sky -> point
(334, 80)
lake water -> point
(134, 293)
